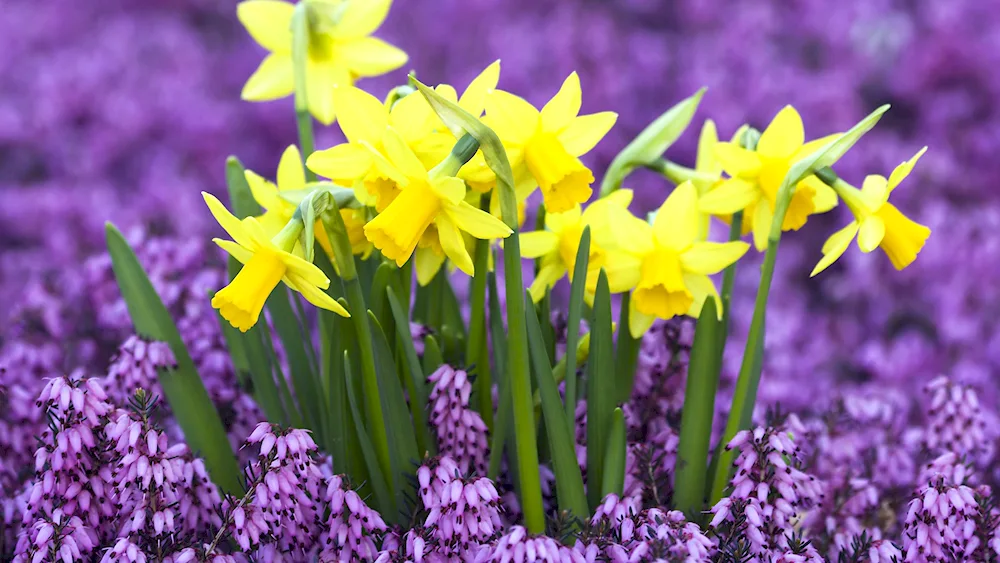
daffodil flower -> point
(266, 261)
(877, 223)
(340, 49)
(757, 175)
(279, 211)
(364, 119)
(665, 265)
(558, 245)
(544, 147)
(424, 200)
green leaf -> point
(414, 377)
(600, 389)
(832, 151)
(699, 412)
(182, 387)
(432, 355)
(403, 456)
(502, 425)
(294, 341)
(385, 276)
(626, 353)
(614, 461)
(385, 500)
(476, 350)
(654, 140)
(574, 314)
(569, 482)
(460, 121)
(240, 197)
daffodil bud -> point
(748, 137)
(398, 93)
(462, 152)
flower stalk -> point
(300, 58)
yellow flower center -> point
(564, 180)
(397, 230)
(661, 291)
(904, 238)
(241, 301)
(384, 190)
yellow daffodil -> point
(544, 147)
(877, 223)
(364, 120)
(664, 264)
(266, 261)
(558, 244)
(756, 177)
(425, 200)
(340, 48)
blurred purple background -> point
(124, 111)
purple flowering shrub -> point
(869, 475)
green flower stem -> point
(300, 57)
(337, 232)
(728, 279)
(518, 374)
(626, 352)
(476, 350)
(678, 174)
(745, 395)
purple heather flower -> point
(135, 367)
(461, 432)
(955, 422)
(352, 527)
(769, 492)
(282, 502)
(462, 514)
(943, 517)
(124, 551)
(518, 546)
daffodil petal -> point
(706, 161)
(369, 56)
(585, 131)
(362, 117)
(272, 80)
(761, 225)
(236, 251)
(315, 295)
(361, 18)
(564, 106)
(903, 170)
(229, 222)
(623, 270)
(427, 263)
(264, 193)
(473, 100)
(712, 257)
(346, 161)
(784, 136)
(824, 198)
(875, 191)
(321, 78)
(638, 322)
(477, 222)
(401, 155)
(547, 277)
(676, 223)
(291, 174)
(268, 22)
(384, 167)
(450, 189)
(732, 195)
(737, 161)
(814, 145)
(453, 245)
(871, 233)
(512, 118)
(536, 244)
(412, 117)
(701, 288)
(835, 246)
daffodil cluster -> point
(417, 190)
